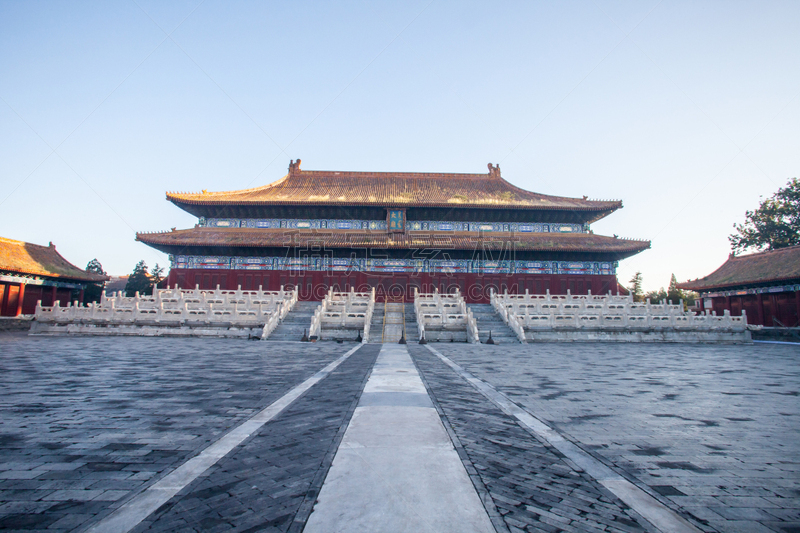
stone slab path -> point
(396, 469)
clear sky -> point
(688, 112)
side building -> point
(765, 285)
(395, 232)
(30, 272)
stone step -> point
(297, 322)
(488, 320)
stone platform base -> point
(444, 335)
(40, 328)
(672, 336)
(15, 323)
(340, 334)
(777, 334)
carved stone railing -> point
(547, 313)
(509, 318)
(437, 312)
(343, 311)
(368, 317)
(171, 311)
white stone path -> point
(396, 469)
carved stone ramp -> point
(396, 468)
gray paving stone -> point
(270, 481)
(529, 483)
(84, 418)
(721, 424)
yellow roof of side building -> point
(33, 259)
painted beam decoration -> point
(361, 264)
(755, 290)
(411, 225)
(36, 280)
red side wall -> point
(761, 308)
(314, 285)
(9, 297)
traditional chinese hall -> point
(395, 231)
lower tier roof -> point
(753, 269)
(175, 240)
(33, 259)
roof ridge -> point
(764, 252)
(26, 243)
(381, 173)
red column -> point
(80, 297)
(4, 300)
(53, 302)
(797, 303)
(760, 304)
(773, 300)
(21, 298)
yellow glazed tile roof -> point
(258, 238)
(26, 258)
(390, 189)
(752, 269)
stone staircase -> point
(376, 326)
(297, 321)
(412, 330)
(488, 320)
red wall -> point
(314, 285)
(762, 308)
(9, 297)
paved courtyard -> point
(714, 429)
(88, 426)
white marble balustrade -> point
(444, 312)
(343, 311)
(171, 308)
(528, 312)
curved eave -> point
(63, 277)
(255, 238)
(697, 287)
(605, 206)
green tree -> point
(656, 297)
(674, 294)
(139, 281)
(636, 287)
(775, 224)
(689, 298)
(157, 275)
(94, 291)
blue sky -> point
(688, 112)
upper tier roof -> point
(33, 259)
(753, 269)
(394, 189)
(259, 238)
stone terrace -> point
(87, 424)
